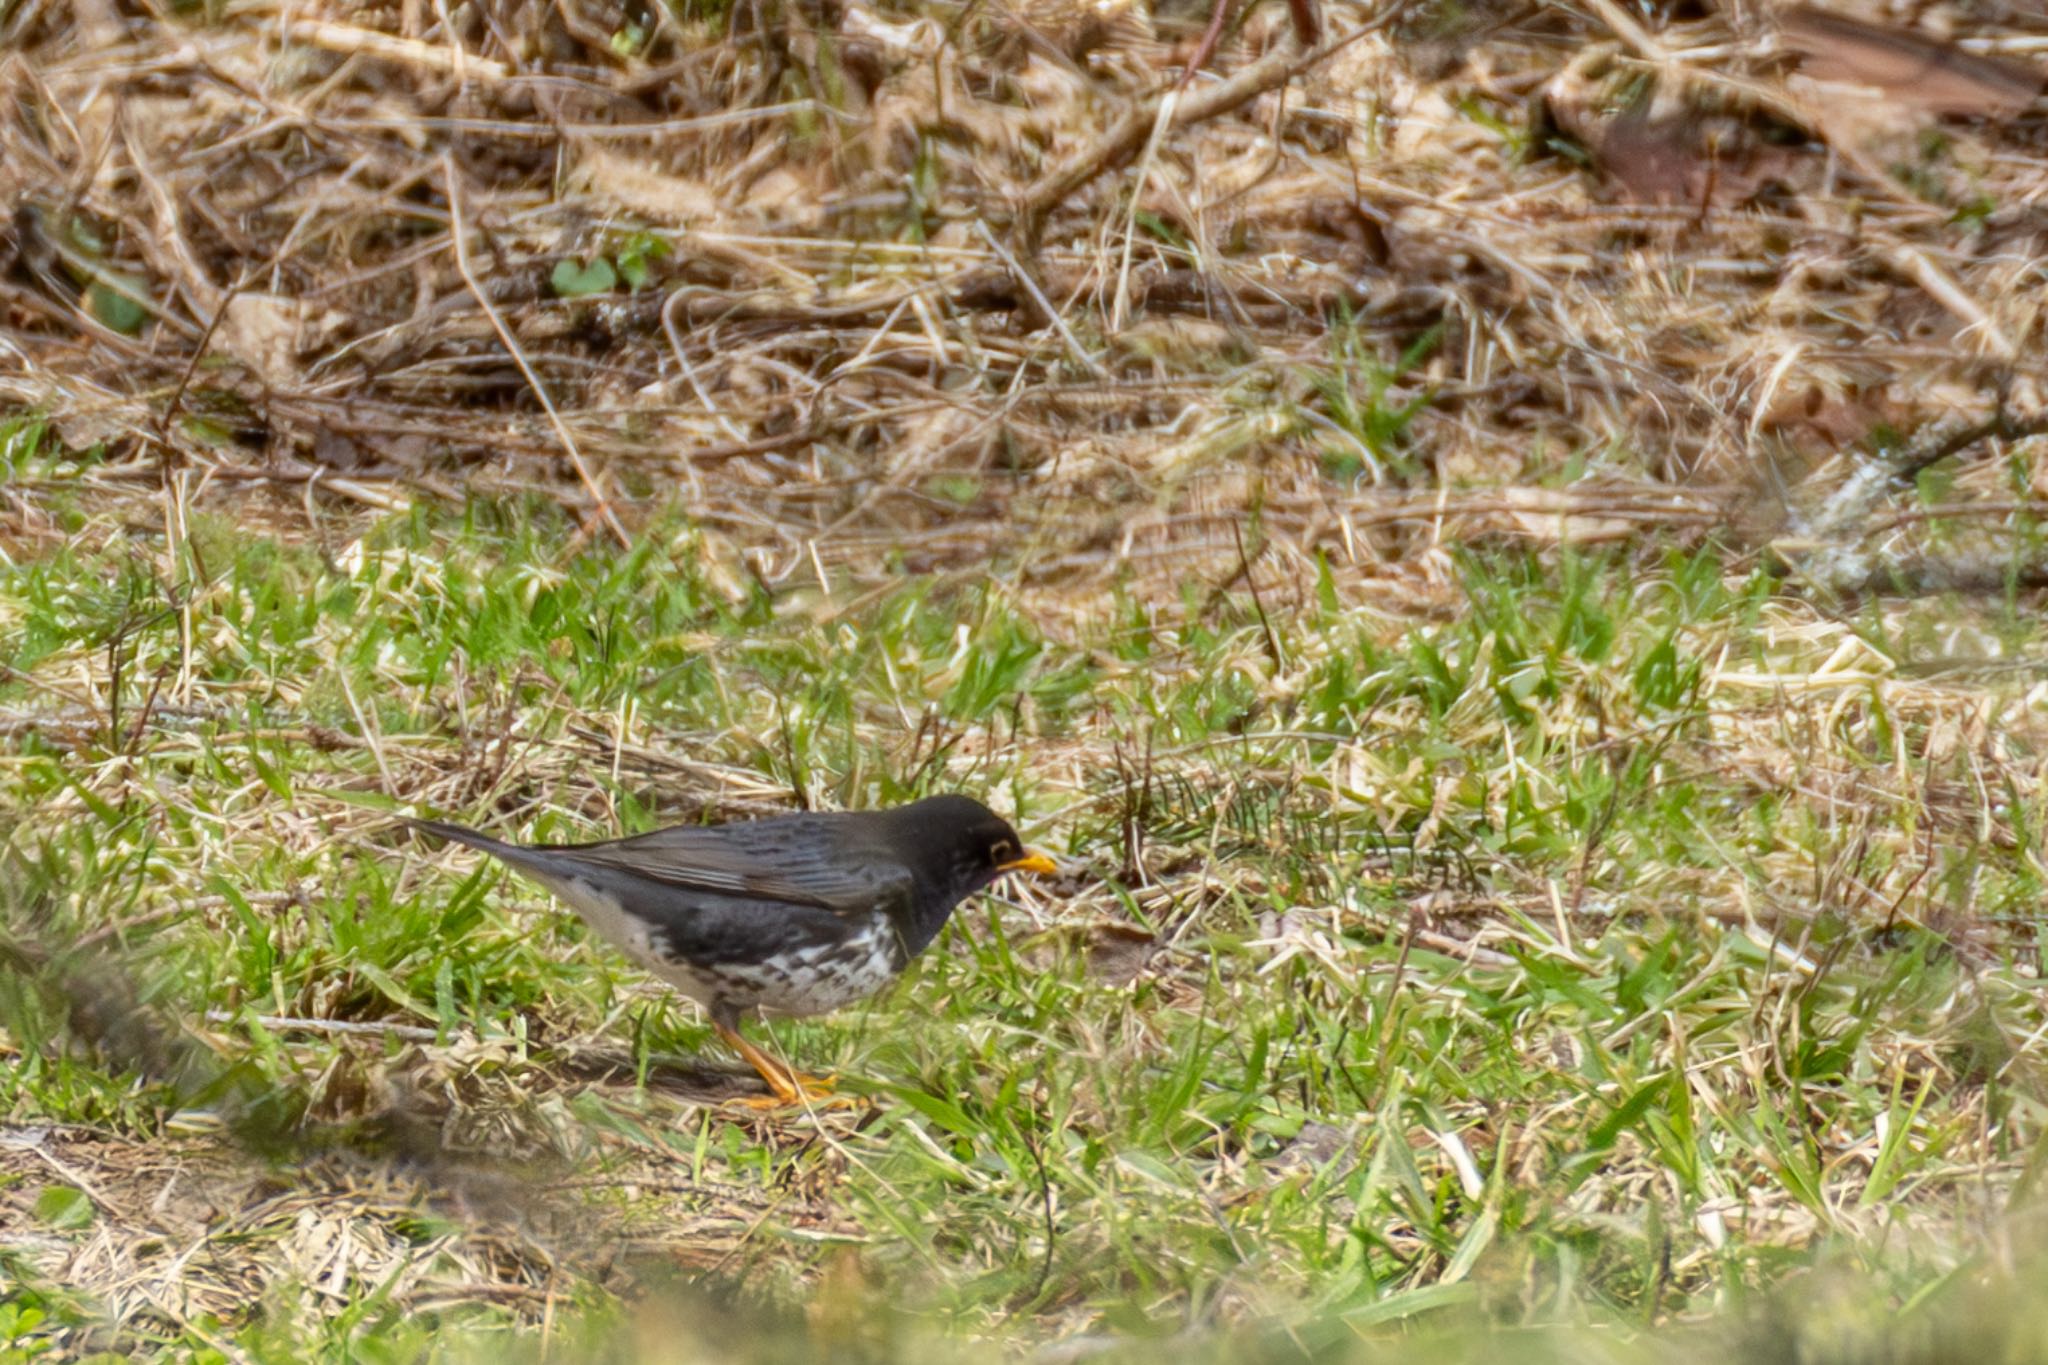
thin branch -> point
(460, 232)
(1127, 136)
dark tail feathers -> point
(457, 834)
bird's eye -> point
(1003, 850)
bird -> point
(792, 914)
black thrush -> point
(795, 914)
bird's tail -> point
(441, 829)
(539, 863)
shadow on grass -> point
(1825, 1317)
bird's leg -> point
(789, 1085)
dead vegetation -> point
(930, 281)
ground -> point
(1499, 552)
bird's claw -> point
(794, 1090)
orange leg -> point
(790, 1085)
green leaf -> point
(277, 779)
(942, 1112)
(397, 994)
(1887, 1167)
(960, 488)
(113, 301)
(1477, 1239)
(204, 432)
(573, 279)
(636, 258)
(1411, 1302)
(1150, 1167)
(376, 801)
(1626, 1113)
(64, 1206)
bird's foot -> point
(788, 1088)
(794, 1090)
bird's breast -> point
(813, 977)
(804, 974)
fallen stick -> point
(1179, 108)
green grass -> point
(1584, 958)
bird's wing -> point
(795, 860)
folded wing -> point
(797, 860)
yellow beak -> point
(1030, 862)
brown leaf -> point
(262, 331)
(1119, 953)
(1911, 67)
(1664, 147)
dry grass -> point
(840, 359)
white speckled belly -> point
(814, 979)
(808, 980)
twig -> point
(2001, 425)
(1630, 32)
(411, 1033)
(1030, 286)
(352, 41)
(1129, 134)
(1244, 571)
(669, 307)
(460, 232)
(1205, 49)
(1942, 287)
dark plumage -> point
(796, 914)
